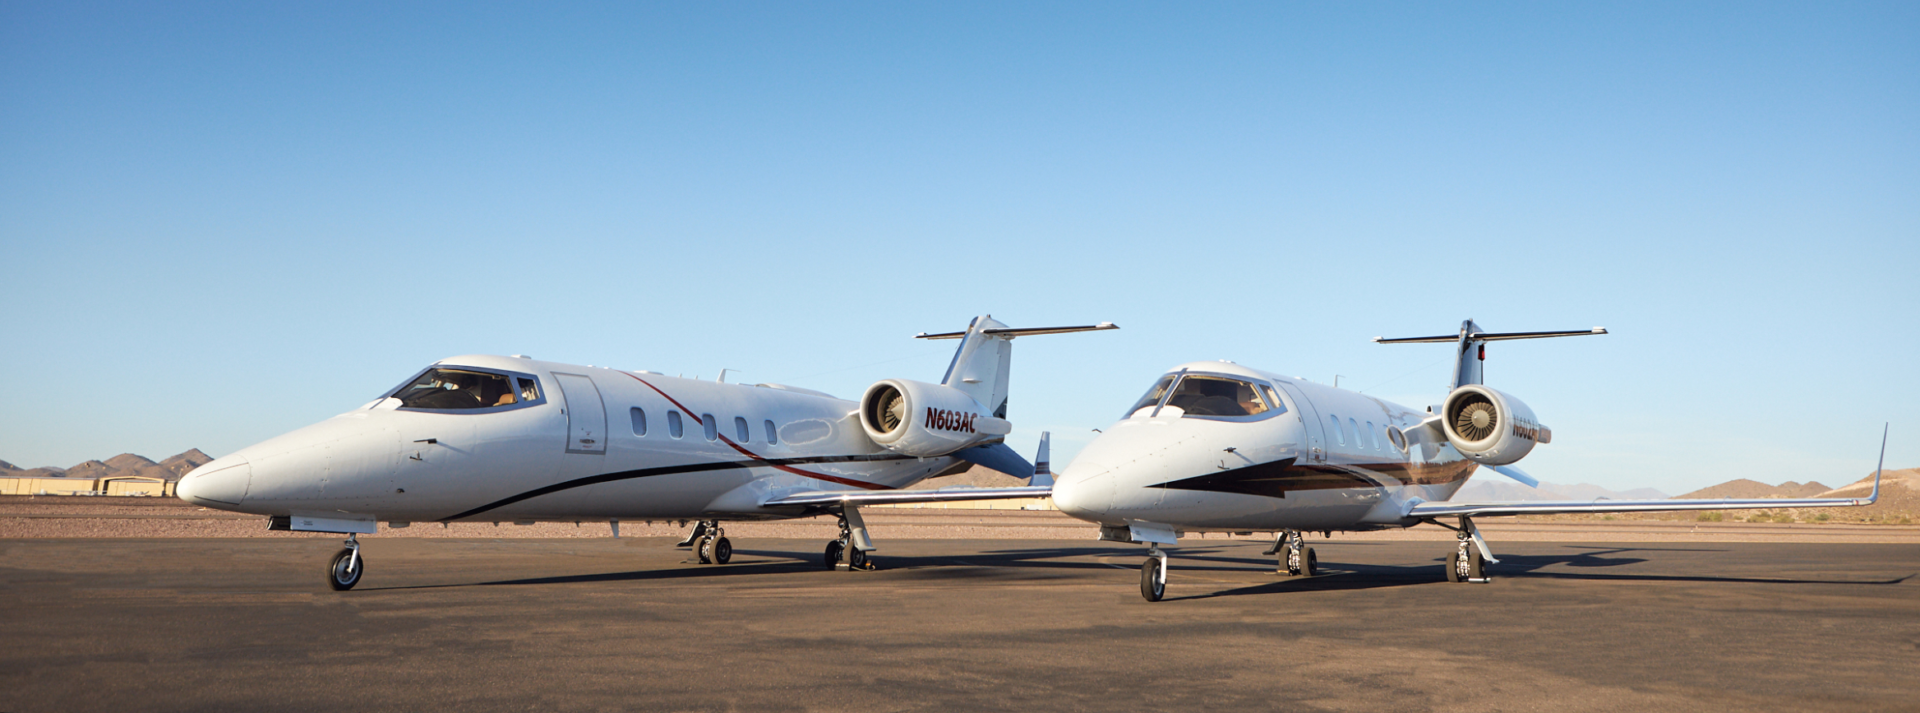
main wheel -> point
(856, 558)
(722, 551)
(1309, 564)
(1152, 586)
(1476, 565)
(1453, 566)
(343, 572)
(832, 556)
(704, 548)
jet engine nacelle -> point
(920, 419)
(1490, 427)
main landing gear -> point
(1298, 560)
(1468, 561)
(709, 542)
(345, 569)
(853, 544)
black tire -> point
(1476, 565)
(1309, 564)
(1152, 587)
(722, 551)
(832, 556)
(856, 558)
(339, 577)
(1453, 566)
(704, 548)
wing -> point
(1449, 509)
(899, 497)
(1549, 507)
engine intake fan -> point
(1490, 427)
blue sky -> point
(219, 222)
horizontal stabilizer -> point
(1489, 336)
(997, 456)
(1010, 332)
(903, 497)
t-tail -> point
(981, 365)
(1472, 348)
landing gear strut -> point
(1298, 559)
(699, 531)
(347, 566)
(712, 546)
(853, 544)
(1153, 574)
(1468, 561)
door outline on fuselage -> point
(1309, 422)
(586, 414)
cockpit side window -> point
(529, 390)
(457, 389)
(1206, 395)
(1154, 394)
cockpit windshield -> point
(462, 389)
(1154, 394)
(1207, 395)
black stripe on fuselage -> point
(1275, 479)
(670, 470)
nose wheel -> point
(345, 569)
(1153, 575)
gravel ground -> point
(69, 516)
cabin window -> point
(773, 435)
(1373, 436)
(1153, 396)
(740, 429)
(1334, 421)
(639, 421)
(673, 424)
(1206, 395)
(458, 389)
(1353, 434)
(710, 426)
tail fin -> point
(1042, 472)
(981, 364)
(1473, 348)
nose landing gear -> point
(347, 566)
(1153, 574)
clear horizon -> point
(222, 222)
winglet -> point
(1042, 472)
(1875, 497)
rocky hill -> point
(123, 464)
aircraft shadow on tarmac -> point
(1334, 575)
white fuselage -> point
(580, 443)
(1332, 460)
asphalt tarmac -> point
(963, 625)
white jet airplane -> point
(1219, 447)
(513, 439)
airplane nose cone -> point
(220, 484)
(1078, 495)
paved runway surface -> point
(953, 625)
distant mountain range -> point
(123, 464)
(1498, 489)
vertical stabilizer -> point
(1042, 471)
(980, 366)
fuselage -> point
(517, 439)
(1222, 447)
